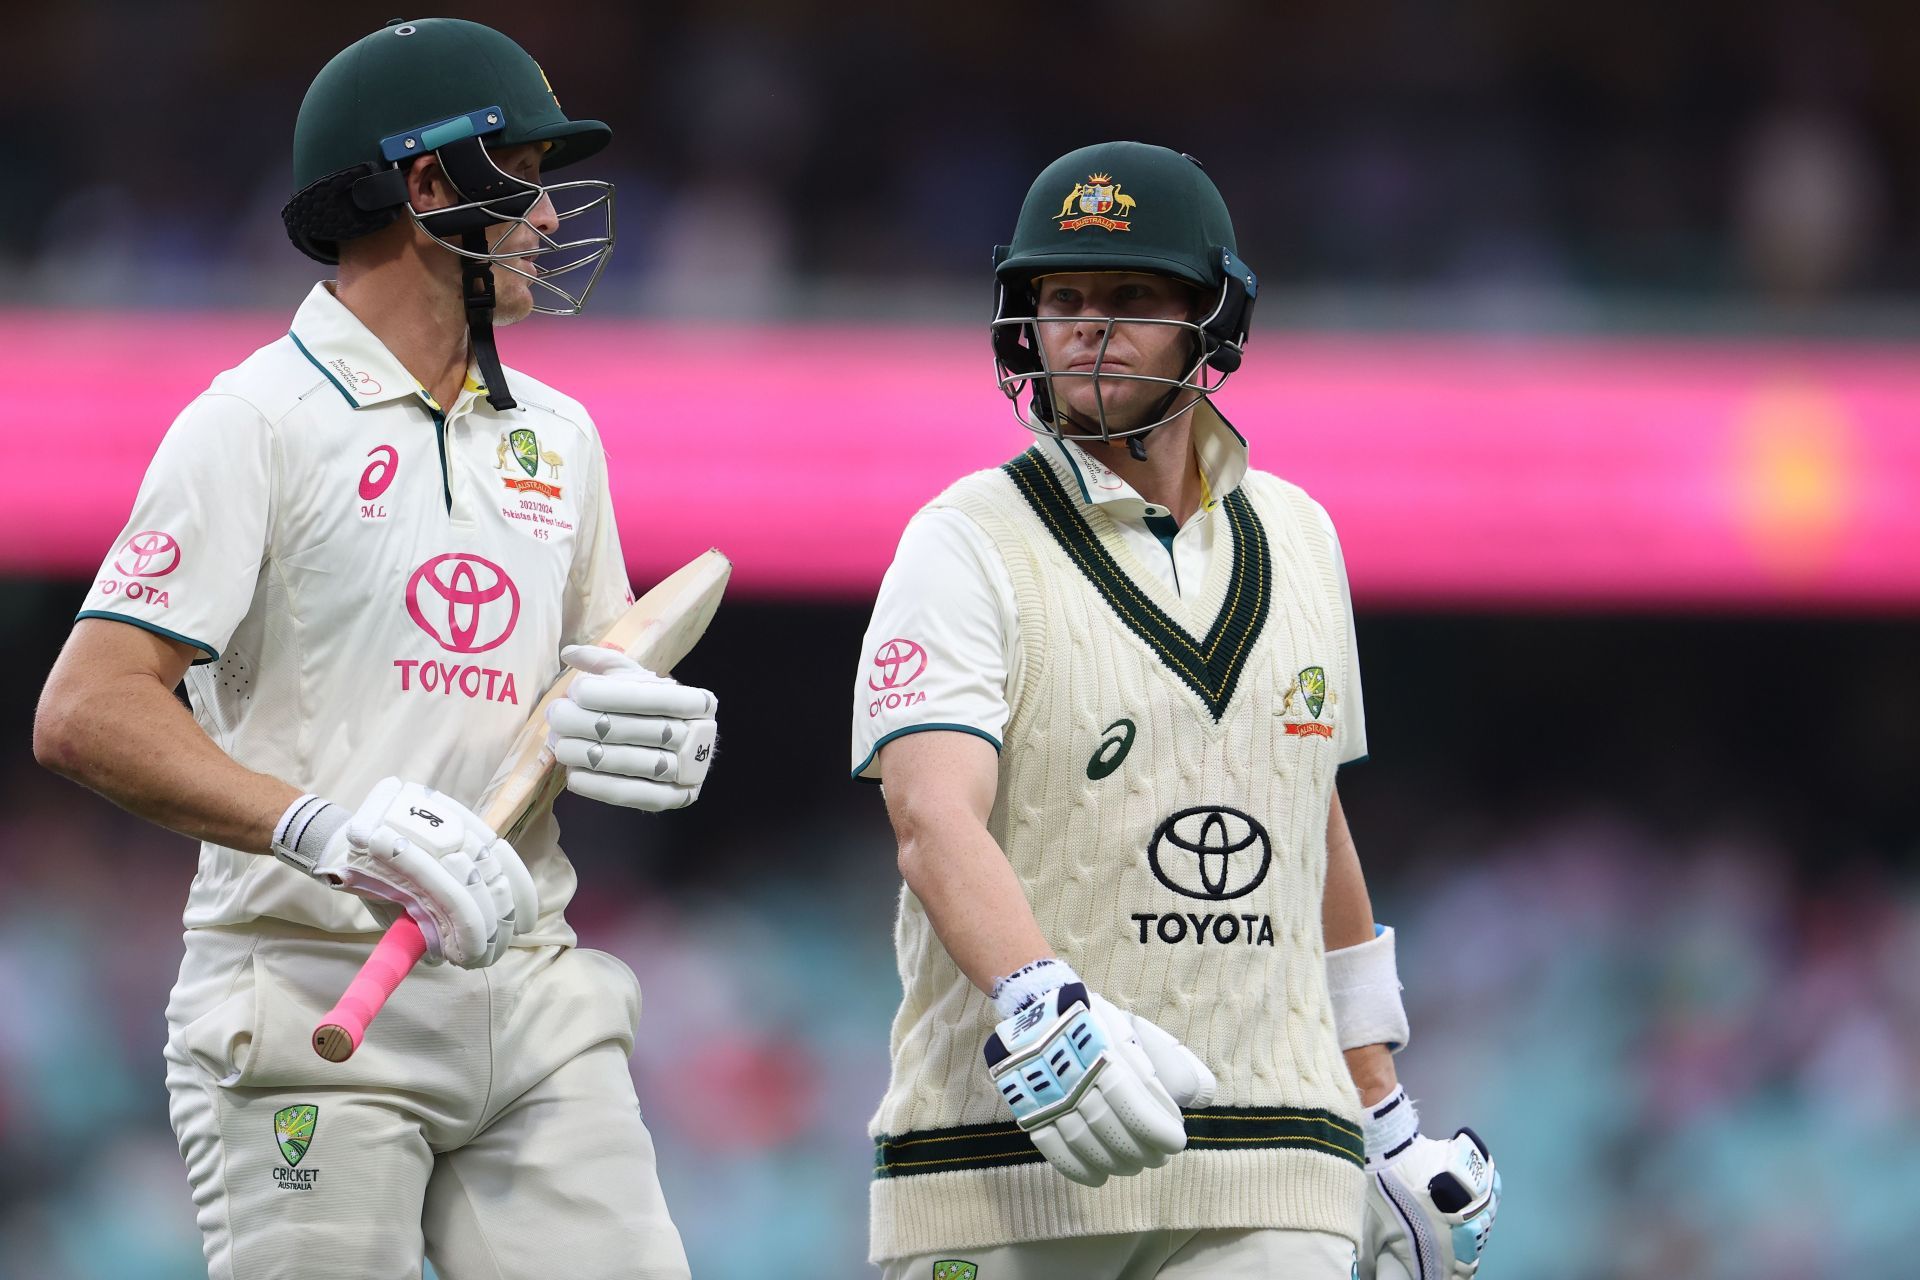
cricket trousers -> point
(1151, 1255)
(488, 1123)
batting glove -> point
(409, 848)
(629, 737)
(1099, 1091)
(1430, 1204)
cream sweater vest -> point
(1163, 796)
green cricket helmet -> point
(455, 89)
(1120, 206)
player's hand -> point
(1098, 1090)
(1430, 1209)
(629, 737)
(428, 855)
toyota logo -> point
(148, 554)
(900, 662)
(1210, 852)
(480, 600)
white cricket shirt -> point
(945, 633)
(376, 585)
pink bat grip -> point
(345, 1025)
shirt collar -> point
(357, 363)
(1221, 449)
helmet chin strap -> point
(476, 287)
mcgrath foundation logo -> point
(149, 553)
(466, 603)
(359, 382)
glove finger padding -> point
(571, 720)
(630, 793)
(1052, 1144)
(686, 767)
(641, 693)
(1185, 1077)
(492, 878)
(1121, 1151)
(628, 762)
(525, 899)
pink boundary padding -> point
(392, 960)
(1461, 472)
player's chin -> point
(1125, 407)
(512, 298)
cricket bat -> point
(660, 629)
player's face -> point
(1076, 312)
(513, 295)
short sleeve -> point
(1352, 725)
(188, 561)
(941, 643)
(598, 589)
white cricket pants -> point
(1152, 1255)
(487, 1123)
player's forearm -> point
(1346, 911)
(971, 895)
(130, 740)
(1346, 920)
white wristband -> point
(1388, 1126)
(1364, 982)
(1023, 986)
(304, 829)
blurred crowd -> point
(1504, 162)
(1689, 1058)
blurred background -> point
(1596, 329)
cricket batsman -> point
(367, 549)
(1148, 1019)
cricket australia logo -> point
(524, 447)
(1098, 196)
(954, 1269)
(293, 1128)
(1311, 686)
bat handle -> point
(345, 1025)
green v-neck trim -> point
(1212, 666)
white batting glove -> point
(409, 848)
(1099, 1090)
(1430, 1204)
(629, 737)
